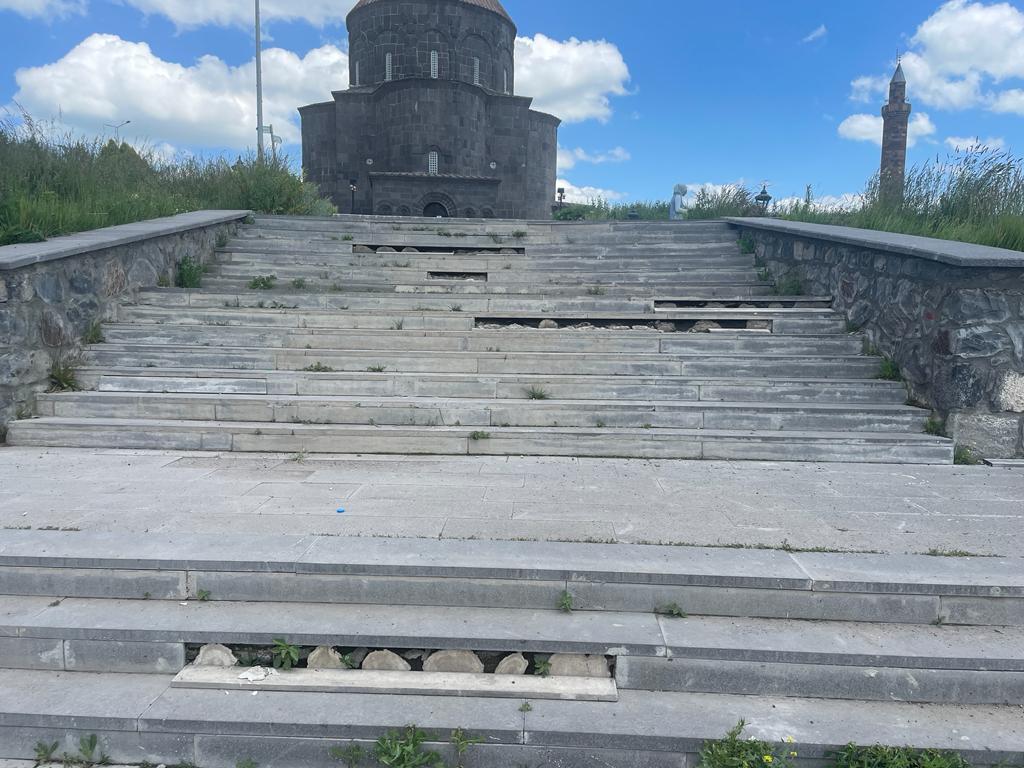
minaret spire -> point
(896, 122)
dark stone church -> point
(429, 125)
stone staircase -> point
(824, 648)
(469, 337)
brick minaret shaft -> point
(896, 118)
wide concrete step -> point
(470, 303)
(780, 320)
(875, 447)
(698, 363)
(644, 342)
(141, 717)
(937, 592)
(366, 384)
(469, 412)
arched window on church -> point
(357, 73)
(506, 80)
(387, 67)
(435, 65)
(432, 163)
(476, 70)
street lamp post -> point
(117, 129)
(561, 197)
(259, 87)
(763, 199)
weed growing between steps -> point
(63, 375)
(94, 333)
(89, 753)
(263, 282)
(736, 752)
(966, 456)
(190, 273)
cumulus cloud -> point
(571, 79)
(46, 9)
(968, 142)
(817, 34)
(106, 79)
(194, 13)
(585, 194)
(869, 128)
(567, 158)
(960, 58)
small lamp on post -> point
(561, 197)
(353, 186)
(763, 199)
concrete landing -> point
(865, 507)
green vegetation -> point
(854, 756)
(974, 195)
(672, 610)
(940, 552)
(318, 367)
(94, 333)
(477, 436)
(542, 666)
(247, 763)
(54, 184)
(600, 209)
(405, 749)
(45, 751)
(729, 200)
(565, 602)
(736, 752)
(536, 392)
(966, 456)
(890, 370)
(299, 283)
(789, 286)
(351, 756)
(190, 273)
(63, 377)
(747, 244)
(377, 369)
(263, 282)
(285, 654)
(935, 426)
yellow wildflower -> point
(769, 759)
(792, 754)
(789, 739)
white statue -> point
(677, 210)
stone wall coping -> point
(26, 254)
(932, 249)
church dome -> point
(489, 5)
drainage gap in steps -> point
(467, 276)
(622, 324)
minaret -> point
(896, 119)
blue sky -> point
(654, 93)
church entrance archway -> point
(435, 210)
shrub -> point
(262, 282)
(190, 273)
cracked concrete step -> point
(143, 717)
(766, 584)
(697, 364)
(875, 447)
(467, 412)
(645, 342)
(361, 383)
(283, 257)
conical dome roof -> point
(489, 5)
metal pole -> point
(259, 86)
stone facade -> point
(896, 123)
(956, 332)
(429, 125)
(46, 306)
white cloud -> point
(567, 158)
(105, 79)
(572, 79)
(194, 13)
(46, 9)
(817, 34)
(1010, 101)
(967, 142)
(960, 57)
(869, 128)
(574, 194)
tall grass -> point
(729, 200)
(58, 184)
(974, 196)
(600, 209)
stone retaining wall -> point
(52, 292)
(951, 315)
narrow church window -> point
(476, 71)
(506, 81)
(357, 73)
(387, 67)
(435, 66)
(432, 163)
